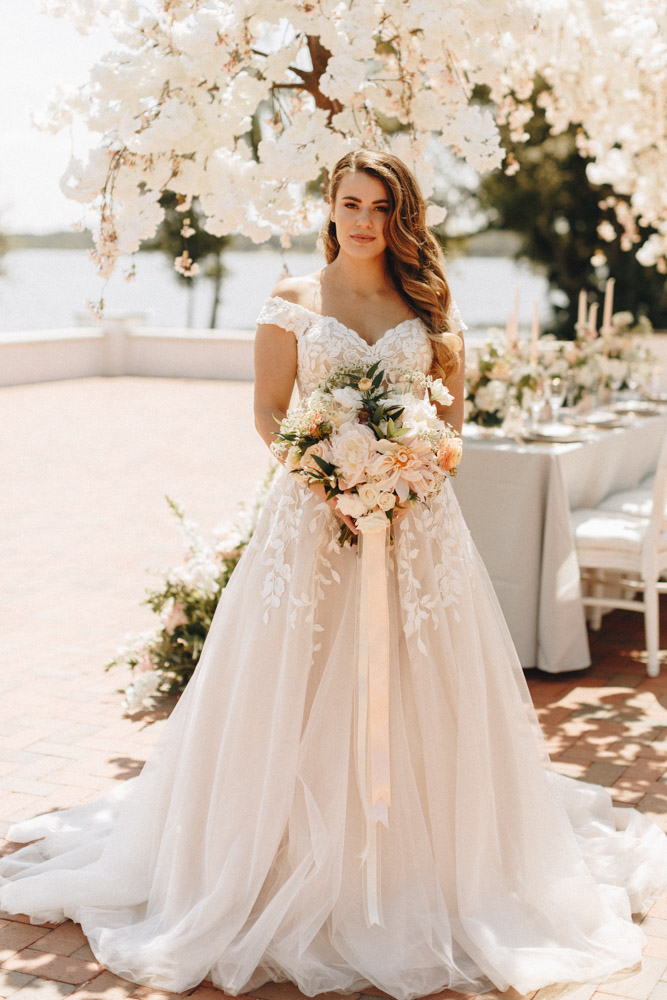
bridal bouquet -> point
(372, 438)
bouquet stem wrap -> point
(372, 703)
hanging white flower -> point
(177, 104)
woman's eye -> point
(383, 209)
(349, 204)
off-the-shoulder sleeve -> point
(289, 315)
(455, 319)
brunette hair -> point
(414, 257)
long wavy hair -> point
(413, 255)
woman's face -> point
(360, 211)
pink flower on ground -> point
(145, 665)
(176, 617)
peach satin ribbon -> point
(372, 704)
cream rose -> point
(369, 493)
(348, 397)
(322, 449)
(353, 447)
(386, 500)
(350, 505)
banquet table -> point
(516, 498)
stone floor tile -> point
(638, 985)
(659, 992)
(603, 773)
(655, 926)
(607, 996)
(655, 947)
(288, 991)
(45, 965)
(41, 989)
(16, 936)
(106, 986)
(565, 991)
(14, 782)
(659, 908)
(85, 952)
(276, 991)
(62, 940)
(210, 993)
(654, 806)
(56, 749)
(12, 982)
(153, 993)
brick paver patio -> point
(85, 467)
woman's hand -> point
(400, 510)
(320, 493)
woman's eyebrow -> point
(379, 201)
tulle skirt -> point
(237, 854)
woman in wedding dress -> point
(240, 852)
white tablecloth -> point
(516, 500)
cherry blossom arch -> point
(242, 103)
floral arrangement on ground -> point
(163, 659)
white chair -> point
(622, 549)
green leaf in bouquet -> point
(327, 468)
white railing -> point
(124, 347)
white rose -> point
(350, 504)
(386, 500)
(353, 449)
(348, 397)
(369, 494)
(440, 393)
(492, 396)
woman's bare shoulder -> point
(301, 290)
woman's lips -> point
(363, 239)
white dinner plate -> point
(598, 418)
(639, 407)
(553, 433)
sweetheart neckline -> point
(349, 329)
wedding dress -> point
(237, 853)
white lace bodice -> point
(324, 342)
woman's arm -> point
(454, 414)
(275, 373)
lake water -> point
(48, 289)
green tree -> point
(551, 203)
(182, 233)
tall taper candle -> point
(607, 308)
(512, 328)
(581, 314)
(534, 334)
(593, 319)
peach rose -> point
(450, 453)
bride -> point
(238, 854)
